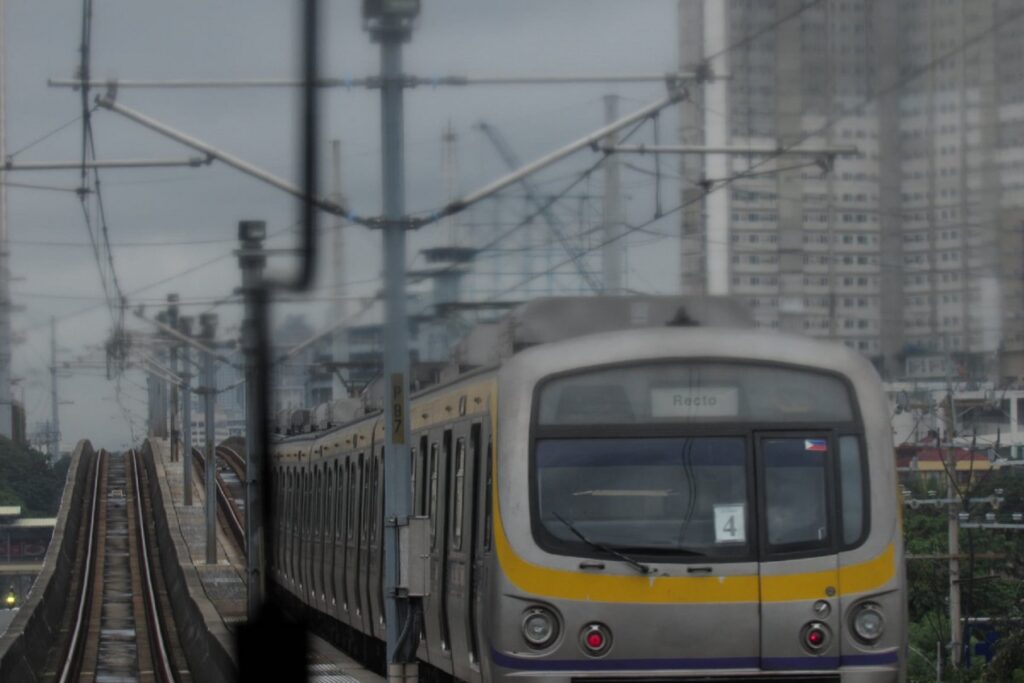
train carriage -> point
(681, 502)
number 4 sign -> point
(730, 523)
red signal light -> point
(815, 638)
(595, 641)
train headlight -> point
(868, 622)
(540, 627)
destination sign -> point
(695, 402)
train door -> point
(365, 523)
(421, 508)
(459, 551)
(376, 546)
(360, 540)
(434, 605)
(479, 475)
(799, 573)
(355, 611)
(327, 571)
(303, 531)
(341, 540)
(316, 538)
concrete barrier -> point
(25, 647)
(208, 644)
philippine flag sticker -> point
(816, 445)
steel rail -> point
(235, 461)
(69, 669)
(161, 657)
(226, 503)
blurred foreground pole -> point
(208, 325)
(185, 327)
(251, 259)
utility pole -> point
(172, 320)
(716, 167)
(208, 330)
(953, 516)
(252, 259)
(54, 399)
(339, 308)
(185, 327)
(390, 24)
(613, 251)
(6, 401)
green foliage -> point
(992, 583)
(28, 480)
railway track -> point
(118, 629)
(230, 491)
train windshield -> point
(705, 460)
(652, 496)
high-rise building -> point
(909, 250)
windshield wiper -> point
(663, 551)
(639, 566)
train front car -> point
(691, 503)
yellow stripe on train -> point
(570, 585)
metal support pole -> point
(185, 327)
(172, 320)
(716, 127)
(54, 399)
(396, 341)
(613, 251)
(251, 259)
(6, 399)
(208, 324)
(339, 310)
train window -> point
(458, 505)
(339, 502)
(796, 492)
(432, 502)
(851, 482)
(671, 497)
(412, 480)
(421, 508)
(351, 499)
(681, 392)
(364, 495)
(488, 497)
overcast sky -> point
(193, 208)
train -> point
(619, 489)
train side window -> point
(488, 497)
(351, 499)
(460, 480)
(412, 479)
(851, 482)
(421, 496)
(339, 502)
(432, 502)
